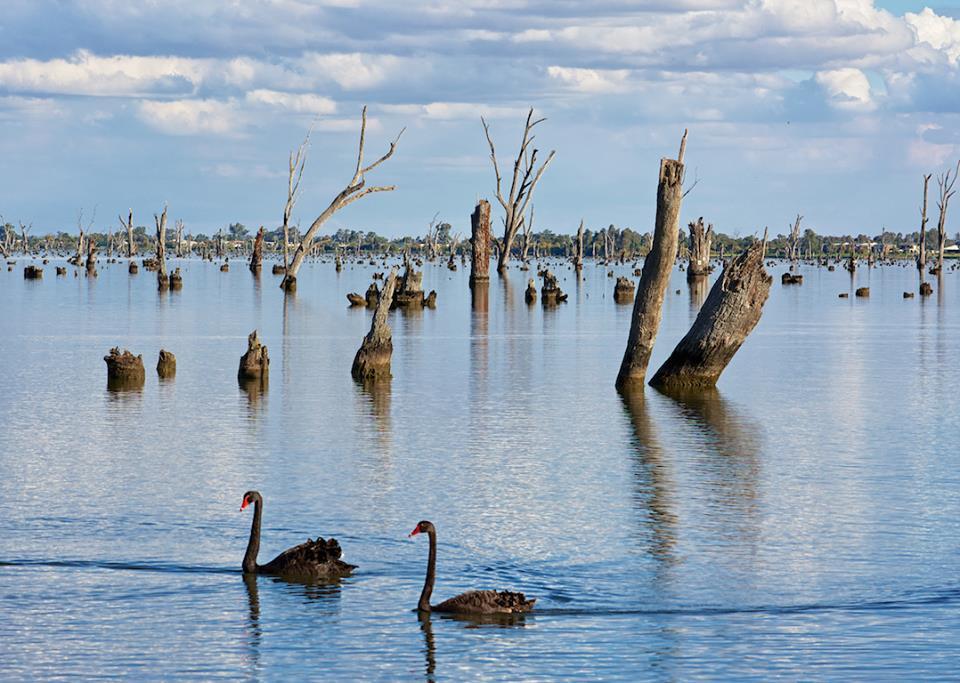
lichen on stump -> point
(729, 314)
(123, 368)
(373, 357)
(255, 363)
(166, 364)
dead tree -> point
(793, 242)
(372, 361)
(91, 265)
(294, 175)
(255, 363)
(728, 316)
(922, 256)
(256, 255)
(480, 243)
(179, 238)
(578, 244)
(526, 175)
(355, 189)
(163, 281)
(945, 183)
(128, 227)
(433, 233)
(647, 308)
(527, 236)
(700, 240)
(24, 243)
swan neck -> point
(253, 546)
(424, 604)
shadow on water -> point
(654, 488)
(429, 646)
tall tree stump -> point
(373, 357)
(729, 314)
(166, 364)
(550, 292)
(623, 291)
(256, 256)
(655, 276)
(480, 242)
(700, 239)
(255, 363)
(124, 369)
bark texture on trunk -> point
(256, 257)
(373, 357)
(700, 240)
(729, 314)
(124, 368)
(166, 364)
(163, 282)
(655, 276)
(480, 242)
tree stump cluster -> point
(32, 273)
(409, 293)
(550, 292)
(791, 279)
(700, 239)
(372, 361)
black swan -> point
(317, 559)
(471, 602)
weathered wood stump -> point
(926, 289)
(133, 268)
(255, 363)
(278, 269)
(729, 314)
(480, 242)
(791, 279)
(550, 292)
(373, 294)
(32, 273)
(863, 292)
(166, 364)
(256, 256)
(356, 299)
(289, 284)
(372, 361)
(655, 275)
(908, 295)
(623, 291)
(61, 270)
(700, 239)
(430, 300)
(409, 292)
(830, 269)
(124, 369)
(530, 296)
(176, 279)
(224, 267)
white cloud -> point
(941, 33)
(590, 80)
(848, 89)
(192, 117)
(296, 102)
(448, 111)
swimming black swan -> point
(317, 559)
(471, 602)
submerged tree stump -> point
(32, 273)
(791, 279)
(278, 269)
(530, 296)
(133, 269)
(61, 271)
(166, 364)
(863, 292)
(550, 292)
(123, 368)
(700, 239)
(373, 295)
(409, 292)
(256, 256)
(373, 357)
(176, 279)
(623, 291)
(729, 314)
(255, 363)
(480, 241)
(926, 289)
(356, 299)
(655, 276)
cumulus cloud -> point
(192, 117)
(590, 80)
(848, 89)
(302, 103)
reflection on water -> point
(255, 389)
(699, 287)
(805, 512)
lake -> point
(802, 521)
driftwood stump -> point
(373, 357)
(166, 364)
(124, 369)
(729, 314)
(623, 291)
(655, 276)
(255, 363)
(61, 270)
(480, 241)
(862, 292)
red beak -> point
(414, 532)
(243, 506)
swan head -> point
(249, 498)
(423, 527)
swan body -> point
(471, 602)
(312, 560)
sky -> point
(833, 109)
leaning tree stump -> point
(255, 363)
(372, 361)
(729, 314)
(123, 368)
(623, 291)
(166, 364)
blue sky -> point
(829, 108)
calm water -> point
(802, 521)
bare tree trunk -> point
(373, 357)
(526, 175)
(700, 240)
(793, 242)
(578, 257)
(480, 242)
(945, 184)
(355, 189)
(656, 273)
(163, 281)
(922, 256)
(256, 256)
(91, 259)
(728, 316)
(128, 227)
(179, 234)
